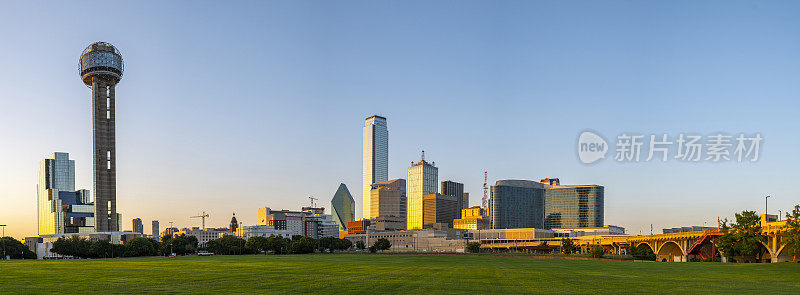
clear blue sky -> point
(227, 107)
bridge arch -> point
(646, 244)
(784, 255)
(670, 251)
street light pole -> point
(4, 242)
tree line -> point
(80, 247)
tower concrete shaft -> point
(101, 68)
(105, 154)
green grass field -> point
(392, 274)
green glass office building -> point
(572, 206)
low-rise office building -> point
(424, 240)
(250, 231)
(310, 222)
(471, 218)
(204, 235)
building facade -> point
(155, 230)
(574, 206)
(60, 208)
(375, 158)
(517, 204)
(472, 218)
(422, 180)
(388, 198)
(438, 208)
(101, 69)
(204, 235)
(250, 231)
(426, 240)
(343, 207)
(310, 222)
(455, 189)
(138, 226)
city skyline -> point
(470, 102)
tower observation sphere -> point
(101, 69)
(101, 60)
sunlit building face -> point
(375, 158)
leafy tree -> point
(382, 244)
(742, 238)
(74, 246)
(278, 244)
(597, 252)
(343, 244)
(227, 245)
(102, 249)
(372, 249)
(296, 237)
(327, 243)
(15, 249)
(257, 244)
(791, 237)
(640, 253)
(473, 247)
(137, 247)
(181, 245)
(303, 246)
(360, 245)
(567, 246)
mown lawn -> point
(391, 274)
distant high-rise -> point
(138, 226)
(422, 180)
(388, 198)
(455, 189)
(60, 208)
(574, 206)
(517, 204)
(375, 159)
(101, 69)
(465, 201)
(343, 207)
(155, 229)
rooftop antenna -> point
(312, 198)
(423, 155)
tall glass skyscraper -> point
(343, 207)
(422, 180)
(571, 206)
(517, 204)
(375, 159)
(62, 209)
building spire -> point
(423, 155)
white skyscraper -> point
(375, 158)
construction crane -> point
(485, 191)
(312, 198)
(203, 217)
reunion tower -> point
(101, 69)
